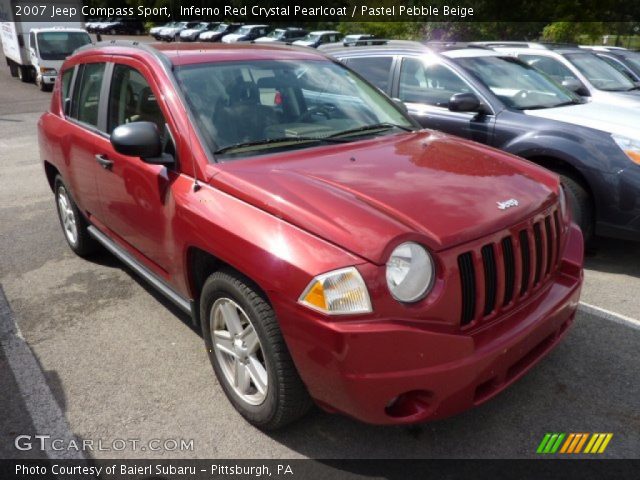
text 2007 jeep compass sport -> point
(330, 250)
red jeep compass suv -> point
(330, 250)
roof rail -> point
(148, 48)
(444, 46)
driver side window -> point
(132, 100)
(431, 84)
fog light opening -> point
(416, 403)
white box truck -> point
(33, 44)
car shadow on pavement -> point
(15, 419)
(615, 256)
(106, 259)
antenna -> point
(196, 185)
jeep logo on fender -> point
(512, 202)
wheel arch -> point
(200, 264)
(50, 171)
(561, 166)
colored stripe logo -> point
(574, 443)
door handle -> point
(104, 162)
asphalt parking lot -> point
(90, 352)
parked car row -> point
(237, 32)
(115, 26)
(563, 108)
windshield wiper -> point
(271, 141)
(375, 126)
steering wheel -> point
(323, 110)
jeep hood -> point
(364, 195)
(599, 116)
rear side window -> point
(375, 69)
(429, 83)
(86, 98)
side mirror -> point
(66, 107)
(575, 86)
(465, 102)
(140, 139)
(400, 104)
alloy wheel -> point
(238, 351)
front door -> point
(136, 199)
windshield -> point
(633, 61)
(221, 28)
(244, 31)
(277, 33)
(601, 75)
(59, 45)
(265, 103)
(518, 85)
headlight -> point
(410, 272)
(629, 146)
(341, 292)
(48, 71)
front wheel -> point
(44, 87)
(248, 353)
(579, 202)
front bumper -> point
(48, 79)
(392, 372)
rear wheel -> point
(248, 354)
(24, 74)
(13, 68)
(74, 225)
(579, 201)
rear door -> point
(86, 131)
(426, 86)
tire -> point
(77, 238)
(285, 398)
(24, 74)
(581, 206)
(13, 68)
(44, 87)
